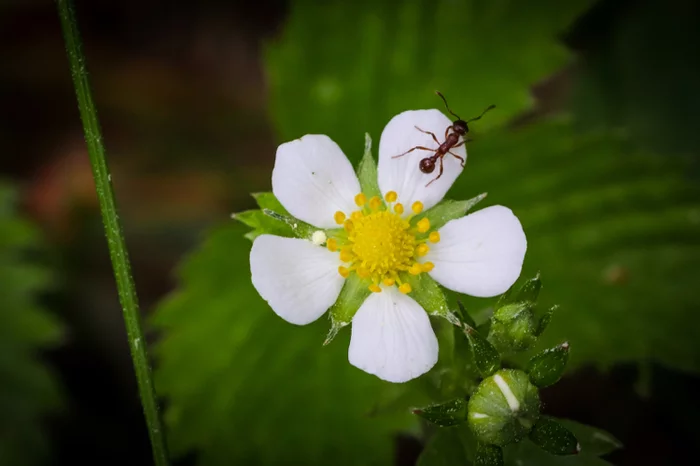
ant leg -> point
(428, 132)
(439, 174)
(447, 131)
(457, 157)
(411, 150)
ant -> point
(453, 132)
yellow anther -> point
(434, 237)
(405, 288)
(423, 225)
(343, 271)
(362, 272)
(346, 255)
(356, 215)
(389, 281)
(348, 225)
(360, 200)
(398, 208)
(391, 196)
(422, 250)
(339, 217)
(375, 202)
(427, 266)
(332, 244)
(375, 288)
(415, 269)
(417, 207)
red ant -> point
(453, 132)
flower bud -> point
(504, 407)
(513, 328)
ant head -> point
(427, 165)
(460, 127)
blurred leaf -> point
(245, 387)
(345, 68)
(446, 448)
(593, 441)
(615, 230)
(28, 390)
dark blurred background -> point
(184, 97)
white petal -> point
(392, 337)
(402, 174)
(299, 280)
(313, 180)
(480, 254)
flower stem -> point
(113, 230)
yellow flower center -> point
(379, 245)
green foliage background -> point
(613, 227)
(28, 391)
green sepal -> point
(527, 293)
(426, 292)
(447, 210)
(545, 320)
(547, 367)
(262, 224)
(446, 414)
(367, 171)
(554, 438)
(464, 315)
(488, 455)
(485, 355)
(354, 292)
(299, 229)
(267, 200)
(513, 328)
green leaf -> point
(488, 455)
(354, 292)
(486, 357)
(239, 379)
(445, 414)
(554, 438)
(367, 171)
(447, 210)
(614, 230)
(263, 224)
(267, 200)
(28, 390)
(426, 292)
(547, 367)
(343, 69)
(300, 229)
(445, 448)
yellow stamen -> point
(375, 202)
(389, 281)
(356, 215)
(417, 207)
(339, 217)
(348, 225)
(343, 271)
(362, 272)
(332, 244)
(360, 200)
(427, 266)
(346, 254)
(391, 196)
(398, 208)
(405, 288)
(415, 269)
(375, 288)
(422, 250)
(423, 225)
(434, 237)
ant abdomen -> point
(427, 165)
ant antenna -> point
(447, 106)
(490, 107)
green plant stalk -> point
(113, 230)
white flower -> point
(480, 254)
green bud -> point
(547, 367)
(513, 328)
(486, 357)
(488, 455)
(449, 413)
(504, 407)
(554, 438)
